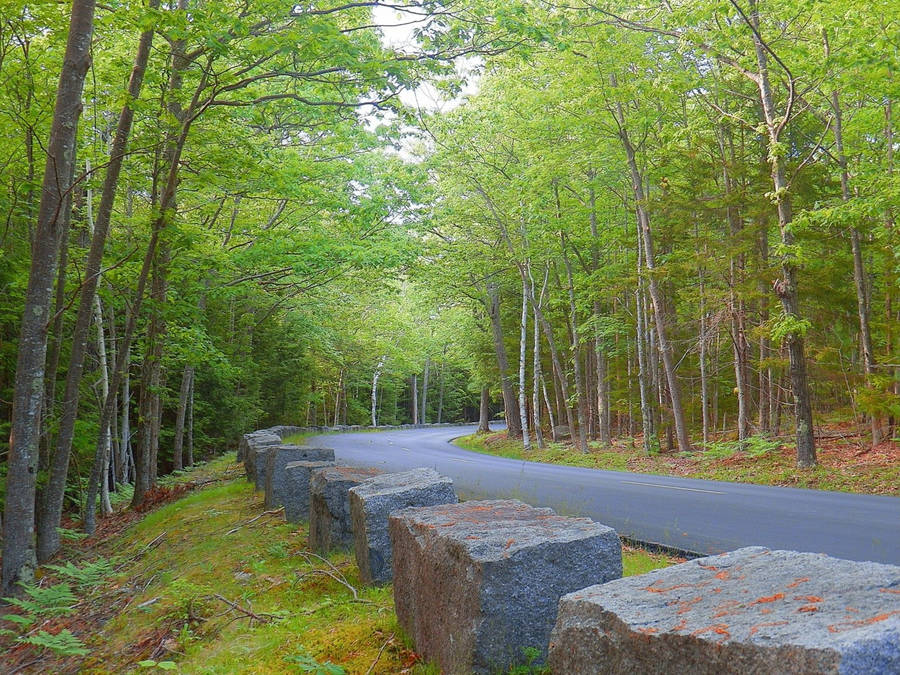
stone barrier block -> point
(329, 509)
(749, 611)
(372, 501)
(257, 442)
(476, 583)
(296, 496)
(277, 458)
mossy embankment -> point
(211, 583)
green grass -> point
(842, 466)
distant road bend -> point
(699, 516)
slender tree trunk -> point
(51, 506)
(125, 426)
(766, 388)
(105, 506)
(484, 412)
(523, 352)
(859, 272)
(579, 374)
(704, 376)
(175, 146)
(536, 386)
(786, 287)
(376, 375)
(156, 339)
(180, 416)
(423, 416)
(509, 397)
(647, 417)
(414, 384)
(190, 425)
(440, 410)
(28, 394)
(739, 343)
(646, 237)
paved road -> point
(691, 515)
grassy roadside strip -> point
(842, 465)
(211, 583)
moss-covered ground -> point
(211, 583)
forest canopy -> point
(671, 222)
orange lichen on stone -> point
(889, 590)
(765, 610)
(717, 628)
(510, 542)
(754, 629)
(681, 625)
(725, 608)
(684, 606)
(711, 568)
(808, 598)
(652, 588)
(798, 581)
(848, 625)
(768, 598)
(809, 608)
(648, 630)
(723, 575)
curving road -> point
(691, 515)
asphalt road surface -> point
(698, 516)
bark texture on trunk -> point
(513, 429)
(786, 287)
(484, 412)
(28, 394)
(52, 503)
(659, 310)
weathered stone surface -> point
(257, 442)
(329, 509)
(277, 458)
(372, 501)
(748, 611)
(476, 582)
(296, 495)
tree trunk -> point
(180, 416)
(28, 394)
(786, 287)
(646, 237)
(174, 147)
(859, 273)
(536, 386)
(105, 506)
(579, 374)
(414, 385)
(375, 376)
(190, 425)
(48, 537)
(739, 342)
(766, 387)
(484, 412)
(125, 426)
(647, 417)
(440, 410)
(509, 397)
(523, 352)
(704, 376)
(423, 417)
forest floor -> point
(846, 462)
(205, 581)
